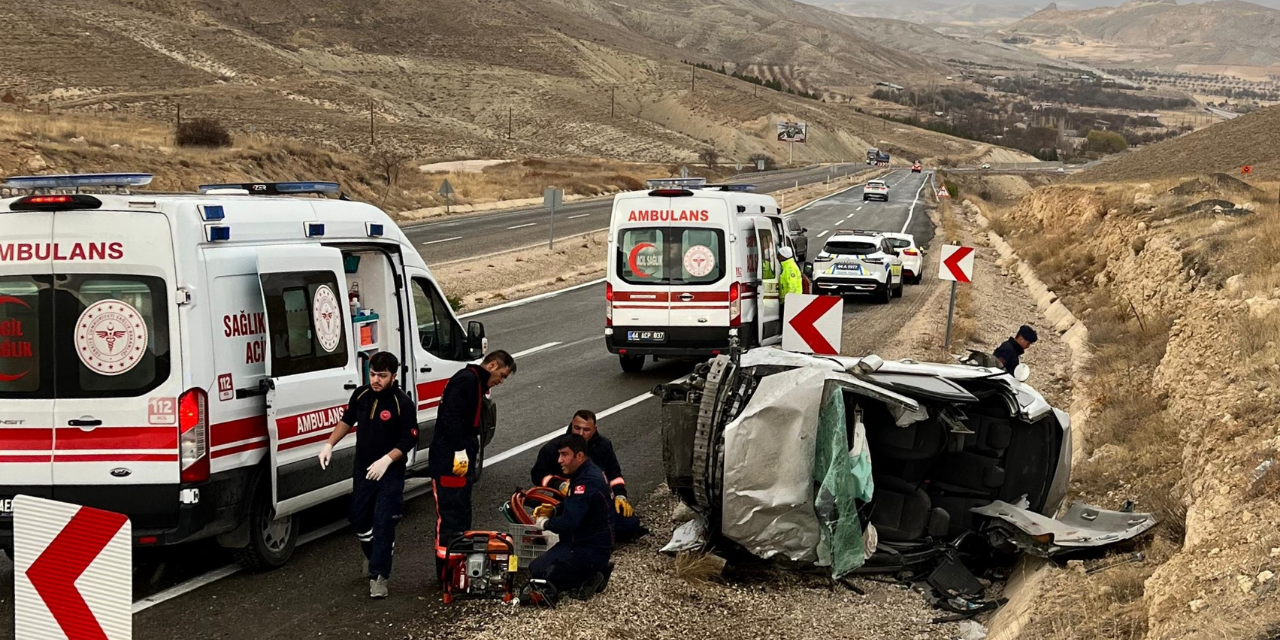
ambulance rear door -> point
(640, 283)
(311, 371)
(26, 359)
(768, 307)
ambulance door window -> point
(438, 332)
(768, 255)
(118, 335)
(26, 349)
(296, 346)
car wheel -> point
(631, 364)
(885, 294)
(271, 539)
(479, 465)
(897, 293)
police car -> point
(858, 262)
(875, 189)
(181, 359)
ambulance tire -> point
(631, 364)
(271, 541)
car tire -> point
(631, 364)
(884, 295)
(271, 540)
(897, 293)
(479, 466)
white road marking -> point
(441, 240)
(824, 233)
(521, 226)
(524, 301)
(839, 222)
(858, 209)
(912, 210)
(543, 347)
(580, 215)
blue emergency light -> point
(79, 180)
(677, 183)
(315, 229)
(733, 187)
(373, 229)
(218, 233)
(211, 212)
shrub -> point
(1105, 142)
(202, 132)
(709, 156)
(769, 162)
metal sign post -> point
(951, 312)
(956, 265)
(551, 199)
(446, 191)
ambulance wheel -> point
(897, 293)
(271, 539)
(631, 364)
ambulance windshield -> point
(670, 255)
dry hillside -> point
(1223, 32)
(1253, 140)
(475, 78)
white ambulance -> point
(689, 266)
(182, 358)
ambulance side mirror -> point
(476, 342)
(808, 269)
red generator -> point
(480, 564)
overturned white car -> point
(865, 465)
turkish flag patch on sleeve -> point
(580, 489)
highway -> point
(563, 366)
(461, 237)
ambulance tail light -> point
(735, 304)
(608, 304)
(193, 435)
(56, 203)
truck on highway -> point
(691, 268)
(182, 358)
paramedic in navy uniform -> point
(388, 430)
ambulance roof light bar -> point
(677, 183)
(273, 188)
(77, 181)
(732, 187)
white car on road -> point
(858, 262)
(912, 256)
(875, 189)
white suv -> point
(858, 262)
(875, 189)
(912, 256)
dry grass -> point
(698, 568)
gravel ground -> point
(645, 599)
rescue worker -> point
(1012, 349)
(451, 460)
(388, 430)
(580, 560)
(546, 472)
(790, 281)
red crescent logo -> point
(385, 415)
(4, 377)
(635, 253)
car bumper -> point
(847, 285)
(680, 342)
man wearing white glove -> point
(388, 430)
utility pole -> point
(612, 99)
(179, 114)
(371, 138)
(509, 123)
(693, 78)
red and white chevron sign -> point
(956, 263)
(71, 572)
(811, 324)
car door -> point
(440, 349)
(769, 314)
(311, 370)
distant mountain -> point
(933, 12)
(1224, 32)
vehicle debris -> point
(860, 465)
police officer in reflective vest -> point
(455, 443)
(388, 430)
(546, 472)
(580, 560)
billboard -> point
(792, 131)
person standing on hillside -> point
(451, 460)
(1010, 352)
(388, 430)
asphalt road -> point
(563, 367)
(466, 236)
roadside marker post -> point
(812, 324)
(72, 572)
(956, 265)
(552, 199)
(446, 192)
